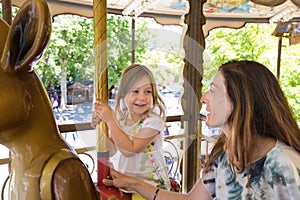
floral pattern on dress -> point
(151, 164)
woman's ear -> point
(28, 36)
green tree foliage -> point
(255, 42)
(226, 44)
(70, 53)
(290, 75)
(246, 43)
(120, 44)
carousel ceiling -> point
(218, 13)
(239, 9)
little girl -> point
(135, 128)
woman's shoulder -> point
(285, 154)
(283, 161)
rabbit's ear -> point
(28, 37)
(4, 28)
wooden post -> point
(194, 44)
(132, 40)
(279, 56)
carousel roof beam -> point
(85, 9)
(147, 5)
(239, 19)
(71, 3)
(110, 10)
(295, 19)
(137, 7)
(131, 7)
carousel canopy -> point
(218, 13)
(173, 10)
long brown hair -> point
(129, 77)
(259, 108)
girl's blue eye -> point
(148, 91)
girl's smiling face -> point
(218, 105)
(139, 99)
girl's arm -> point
(148, 191)
(111, 147)
(127, 146)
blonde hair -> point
(129, 77)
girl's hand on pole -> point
(95, 120)
(103, 111)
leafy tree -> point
(246, 43)
(226, 44)
(70, 53)
(120, 42)
(255, 42)
(166, 66)
(290, 75)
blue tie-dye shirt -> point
(275, 176)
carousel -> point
(41, 164)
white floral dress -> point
(149, 164)
(276, 176)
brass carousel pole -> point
(101, 91)
(101, 86)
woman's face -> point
(139, 98)
(218, 104)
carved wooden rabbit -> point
(42, 165)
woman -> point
(258, 154)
